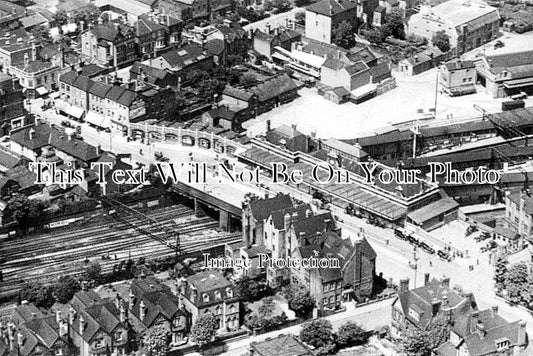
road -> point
(369, 317)
(393, 254)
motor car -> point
(444, 255)
(499, 44)
(66, 123)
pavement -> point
(370, 317)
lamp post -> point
(415, 258)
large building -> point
(12, 114)
(324, 17)
(468, 24)
(506, 74)
(458, 77)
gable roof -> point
(297, 212)
(160, 302)
(331, 7)
(184, 56)
(282, 345)
(310, 230)
(262, 208)
(100, 89)
(274, 87)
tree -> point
(301, 302)
(204, 330)
(500, 271)
(156, 341)
(248, 81)
(26, 212)
(233, 60)
(37, 294)
(344, 36)
(251, 291)
(301, 3)
(422, 343)
(267, 307)
(516, 282)
(318, 333)
(376, 36)
(394, 25)
(351, 334)
(277, 6)
(89, 15)
(41, 35)
(65, 289)
(61, 18)
(209, 88)
(441, 40)
(93, 271)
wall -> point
(318, 27)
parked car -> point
(66, 123)
(499, 44)
(444, 255)
(426, 247)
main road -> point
(394, 256)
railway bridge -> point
(221, 203)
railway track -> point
(48, 256)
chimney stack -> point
(404, 285)
(494, 310)
(82, 325)
(132, 300)
(122, 312)
(269, 127)
(20, 339)
(142, 311)
(445, 282)
(426, 279)
(58, 316)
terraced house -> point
(110, 44)
(152, 303)
(31, 332)
(156, 32)
(98, 326)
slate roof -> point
(458, 64)
(282, 345)
(262, 208)
(145, 26)
(97, 313)
(309, 230)
(331, 7)
(344, 147)
(432, 210)
(215, 47)
(237, 93)
(68, 77)
(83, 83)
(184, 56)
(510, 60)
(421, 300)
(528, 201)
(127, 98)
(107, 31)
(9, 159)
(297, 212)
(115, 92)
(25, 313)
(274, 87)
(157, 303)
(100, 89)
(46, 329)
(35, 66)
(207, 283)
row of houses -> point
(91, 324)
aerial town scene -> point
(266, 177)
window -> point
(325, 301)
(331, 299)
(502, 344)
(205, 297)
(218, 310)
(217, 295)
(325, 287)
(229, 292)
(59, 352)
(118, 336)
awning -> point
(75, 112)
(61, 104)
(518, 83)
(42, 91)
(54, 95)
(97, 119)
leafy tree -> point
(41, 35)
(65, 289)
(208, 88)
(156, 341)
(351, 334)
(318, 333)
(251, 291)
(196, 75)
(422, 343)
(233, 60)
(89, 15)
(267, 307)
(344, 36)
(376, 36)
(517, 282)
(61, 18)
(248, 81)
(500, 271)
(441, 40)
(93, 271)
(204, 330)
(301, 302)
(26, 212)
(277, 5)
(37, 294)
(394, 25)
(302, 3)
